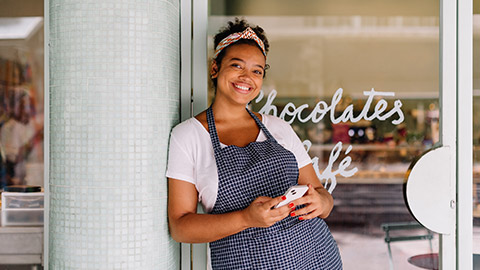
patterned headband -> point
(246, 34)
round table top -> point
(476, 261)
(425, 261)
(430, 261)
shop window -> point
(21, 101)
(359, 83)
(21, 134)
(476, 128)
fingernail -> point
(284, 198)
(292, 214)
(300, 218)
(290, 205)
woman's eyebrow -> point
(236, 59)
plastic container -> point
(22, 217)
(22, 209)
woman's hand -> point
(188, 226)
(318, 203)
(260, 213)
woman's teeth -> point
(242, 87)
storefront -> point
(368, 87)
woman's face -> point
(240, 77)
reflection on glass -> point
(476, 127)
(21, 111)
(360, 86)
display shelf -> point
(376, 163)
(368, 147)
(380, 179)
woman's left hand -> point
(318, 203)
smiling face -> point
(240, 76)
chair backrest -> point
(404, 226)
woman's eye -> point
(258, 72)
(236, 66)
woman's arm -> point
(189, 227)
(318, 201)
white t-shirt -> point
(191, 156)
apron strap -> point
(212, 129)
(261, 125)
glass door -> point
(362, 85)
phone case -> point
(293, 193)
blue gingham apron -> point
(265, 169)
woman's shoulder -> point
(274, 121)
(278, 127)
(188, 123)
(187, 128)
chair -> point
(405, 226)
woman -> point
(238, 164)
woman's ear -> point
(214, 70)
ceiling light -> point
(19, 27)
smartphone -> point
(293, 193)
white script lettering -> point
(290, 111)
(328, 177)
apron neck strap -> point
(212, 129)
(261, 125)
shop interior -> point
(21, 133)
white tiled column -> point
(114, 96)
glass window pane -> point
(21, 101)
(359, 83)
(476, 129)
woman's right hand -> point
(188, 226)
(260, 213)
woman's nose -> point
(244, 73)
